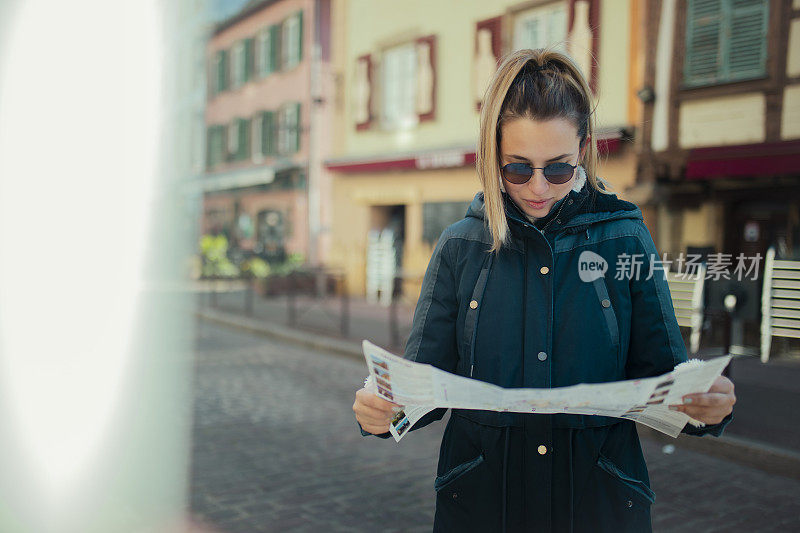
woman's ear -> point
(584, 146)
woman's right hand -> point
(373, 412)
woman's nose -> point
(538, 184)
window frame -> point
(397, 120)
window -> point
(291, 41)
(242, 59)
(267, 44)
(289, 128)
(237, 64)
(726, 40)
(542, 26)
(263, 139)
(220, 72)
(233, 138)
(399, 82)
(239, 140)
(436, 216)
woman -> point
(503, 301)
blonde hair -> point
(539, 84)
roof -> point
(251, 7)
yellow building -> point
(410, 78)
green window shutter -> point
(221, 132)
(209, 146)
(224, 153)
(275, 45)
(747, 51)
(218, 80)
(236, 149)
(246, 124)
(248, 59)
(263, 52)
(215, 146)
(703, 41)
(224, 71)
(297, 128)
(268, 133)
(241, 147)
(300, 36)
(726, 40)
(212, 76)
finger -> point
(722, 384)
(371, 415)
(375, 430)
(373, 400)
(708, 399)
(367, 403)
(707, 416)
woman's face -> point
(539, 143)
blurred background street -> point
(276, 448)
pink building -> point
(264, 186)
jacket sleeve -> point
(433, 330)
(656, 345)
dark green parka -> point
(525, 318)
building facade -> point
(264, 187)
(720, 151)
(410, 80)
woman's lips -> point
(536, 205)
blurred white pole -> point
(314, 158)
(94, 366)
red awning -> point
(746, 160)
(445, 158)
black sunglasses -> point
(555, 173)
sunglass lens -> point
(558, 172)
(517, 173)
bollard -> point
(345, 308)
(290, 299)
(248, 297)
(394, 328)
(734, 330)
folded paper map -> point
(420, 388)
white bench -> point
(780, 302)
(686, 290)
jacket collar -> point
(588, 206)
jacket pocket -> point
(456, 473)
(607, 309)
(635, 487)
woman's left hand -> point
(712, 406)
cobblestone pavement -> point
(276, 448)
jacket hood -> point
(588, 207)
